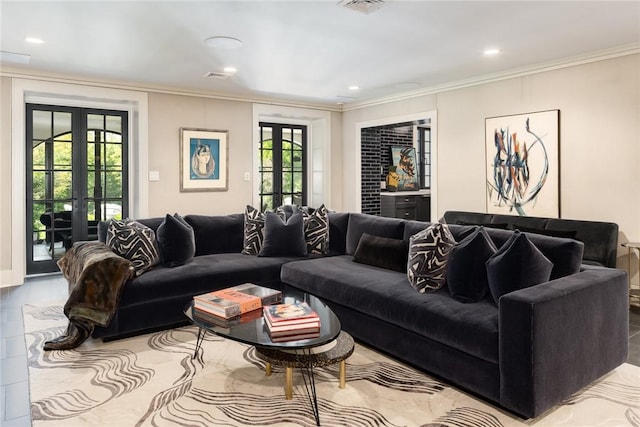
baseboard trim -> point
(6, 278)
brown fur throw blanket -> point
(96, 278)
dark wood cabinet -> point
(406, 206)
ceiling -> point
(308, 51)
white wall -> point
(599, 107)
(164, 115)
(167, 114)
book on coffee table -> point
(227, 302)
(236, 300)
(209, 317)
(267, 295)
(289, 313)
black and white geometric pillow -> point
(316, 229)
(254, 229)
(133, 241)
(428, 255)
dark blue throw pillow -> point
(467, 272)
(518, 264)
(283, 238)
(176, 241)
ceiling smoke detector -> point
(362, 6)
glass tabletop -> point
(249, 328)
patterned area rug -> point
(152, 380)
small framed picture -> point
(204, 156)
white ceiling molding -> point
(110, 84)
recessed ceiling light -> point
(354, 87)
(34, 40)
(224, 42)
(490, 52)
(230, 70)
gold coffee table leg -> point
(267, 369)
(288, 385)
(343, 374)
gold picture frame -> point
(204, 160)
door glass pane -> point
(62, 185)
(42, 125)
(114, 124)
(114, 185)
(39, 185)
(62, 155)
(95, 121)
(111, 210)
(287, 182)
(61, 123)
(267, 203)
(297, 183)
(297, 137)
(38, 155)
(267, 183)
(113, 156)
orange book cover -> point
(228, 302)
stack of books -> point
(234, 301)
(291, 321)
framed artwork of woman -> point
(203, 160)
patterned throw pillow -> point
(135, 242)
(428, 255)
(316, 229)
(254, 229)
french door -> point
(283, 163)
(76, 163)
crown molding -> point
(167, 90)
(620, 51)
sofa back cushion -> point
(374, 225)
(338, 225)
(217, 234)
(600, 239)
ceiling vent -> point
(214, 75)
(362, 6)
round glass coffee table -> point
(331, 346)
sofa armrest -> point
(560, 336)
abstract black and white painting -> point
(522, 164)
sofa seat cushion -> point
(203, 274)
(387, 295)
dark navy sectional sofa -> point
(530, 351)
